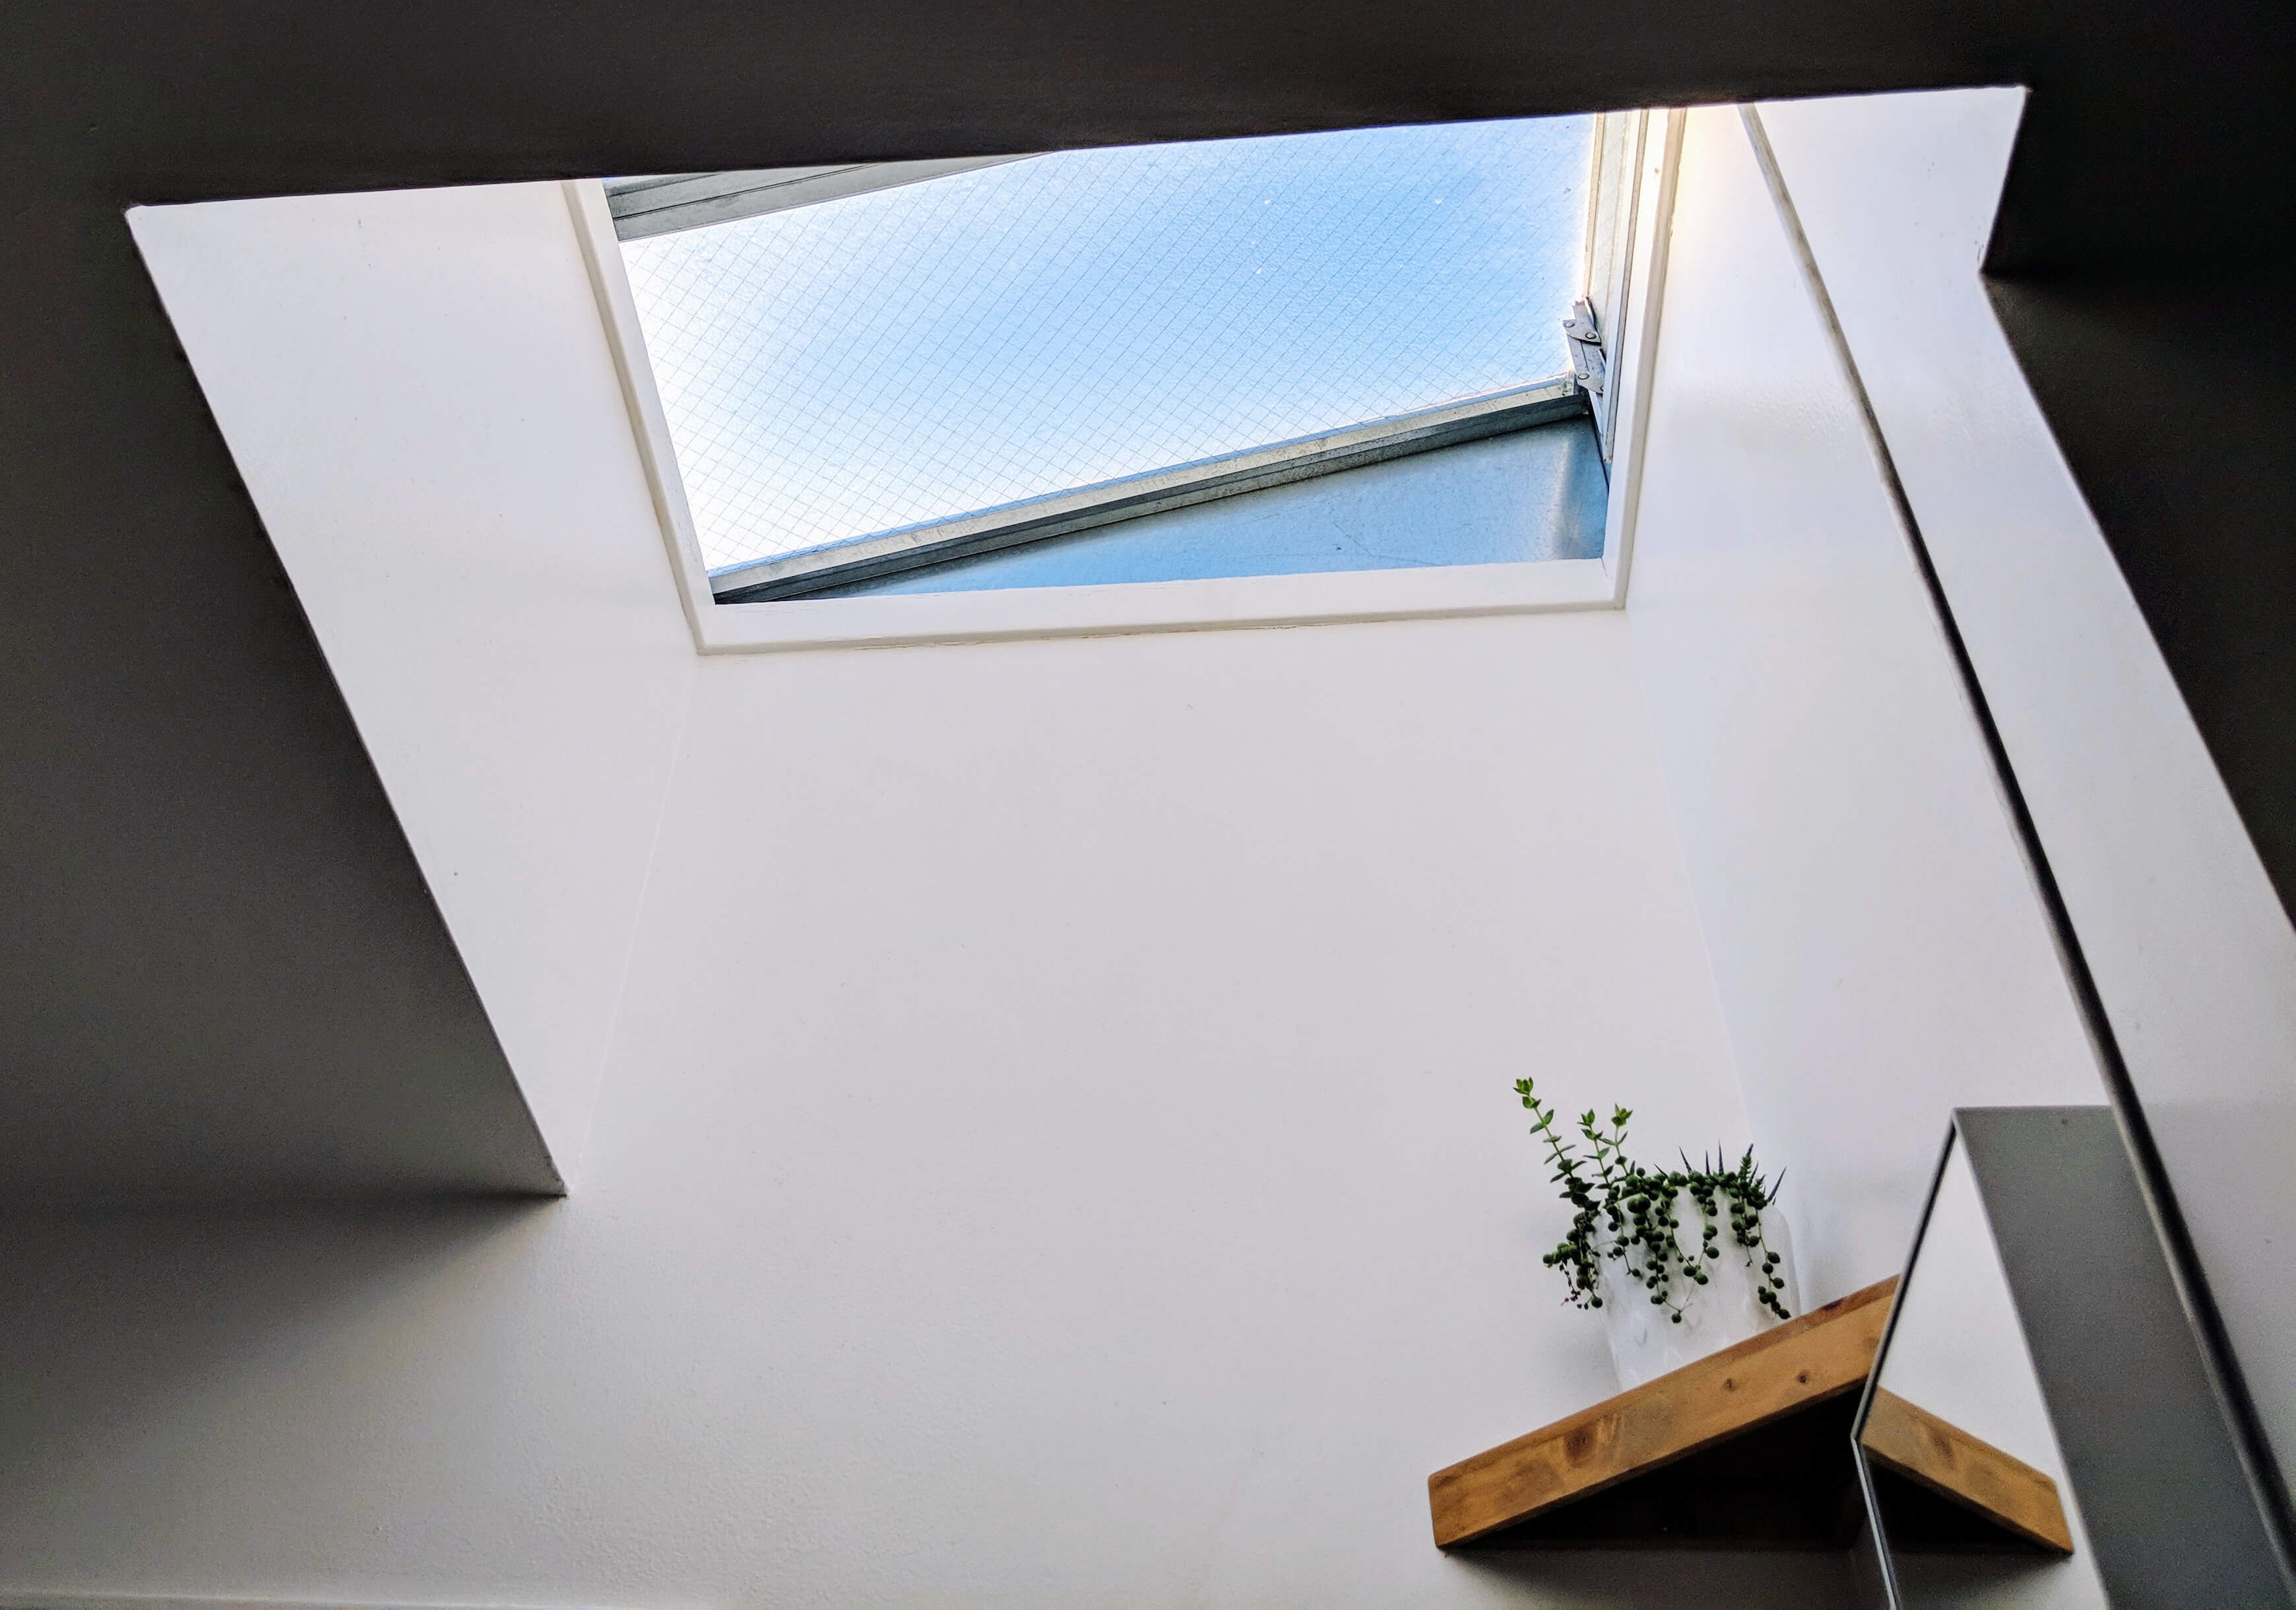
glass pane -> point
(889, 360)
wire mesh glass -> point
(889, 360)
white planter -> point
(1645, 1342)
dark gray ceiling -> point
(220, 971)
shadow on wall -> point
(136, 1340)
(1569, 1579)
(197, 1365)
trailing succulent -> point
(1630, 1214)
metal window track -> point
(1058, 513)
(664, 203)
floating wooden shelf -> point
(1750, 1448)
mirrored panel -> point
(1961, 1461)
(2039, 1429)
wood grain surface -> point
(1909, 1440)
(1806, 1360)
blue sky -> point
(883, 360)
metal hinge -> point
(1587, 367)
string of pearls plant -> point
(1630, 1214)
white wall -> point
(1878, 947)
(1057, 1151)
(417, 393)
(2193, 952)
(1055, 1145)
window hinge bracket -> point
(1587, 367)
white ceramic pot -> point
(1645, 1342)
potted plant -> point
(1679, 1261)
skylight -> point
(987, 339)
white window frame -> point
(1637, 158)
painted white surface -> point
(885, 620)
(2192, 951)
(1057, 1151)
(415, 390)
(1879, 951)
(1957, 1350)
(1056, 1146)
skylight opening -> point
(887, 368)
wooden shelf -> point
(1749, 1448)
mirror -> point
(1962, 1464)
(2039, 1429)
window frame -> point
(1630, 207)
(664, 203)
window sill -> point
(1157, 606)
